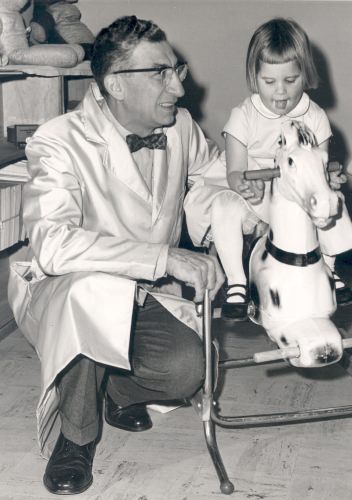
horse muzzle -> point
(323, 209)
(318, 340)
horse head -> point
(303, 173)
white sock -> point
(236, 289)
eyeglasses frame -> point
(156, 69)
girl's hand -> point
(336, 179)
(252, 191)
(237, 183)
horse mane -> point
(298, 134)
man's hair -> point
(279, 41)
(114, 45)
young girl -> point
(279, 69)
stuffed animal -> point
(59, 21)
(14, 46)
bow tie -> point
(153, 141)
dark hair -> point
(115, 44)
(279, 41)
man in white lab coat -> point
(103, 210)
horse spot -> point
(264, 255)
(275, 297)
(284, 340)
(254, 295)
(332, 283)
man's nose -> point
(175, 85)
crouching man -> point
(103, 210)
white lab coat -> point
(95, 228)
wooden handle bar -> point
(287, 353)
(266, 174)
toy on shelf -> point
(14, 45)
(59, 21)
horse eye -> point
(290, 161)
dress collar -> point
(301, 108)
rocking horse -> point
(291, 289)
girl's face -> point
(280, 86)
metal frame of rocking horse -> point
(205, 406)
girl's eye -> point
(269, 82)
(291, 80)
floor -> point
(308, 461)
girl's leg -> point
(228, 215)
(333, 241)
(343, 292)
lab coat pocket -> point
(19, 292)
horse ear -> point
(305, 136)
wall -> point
(213, 35)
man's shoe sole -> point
(68, 492)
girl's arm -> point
(236, 164)
(324, 146)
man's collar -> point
(120, 128)
(123, 131)
(301, 108)
(99, 124)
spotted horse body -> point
(291, 288)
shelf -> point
(30, 94)
(82, 69)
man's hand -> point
(197, 270)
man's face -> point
(280, 86)
(147, 103)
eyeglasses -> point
(165, 72)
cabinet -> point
(32, 95)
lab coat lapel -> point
(160, 180)
(120, 162)
(115, 154)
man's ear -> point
(113, 86)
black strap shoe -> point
(343, 292)
(69, 470)
(236, 311)
(132, 418)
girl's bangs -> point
(278, 57)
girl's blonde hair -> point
(279, 41)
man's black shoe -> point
(69, 470)
(132, 418)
